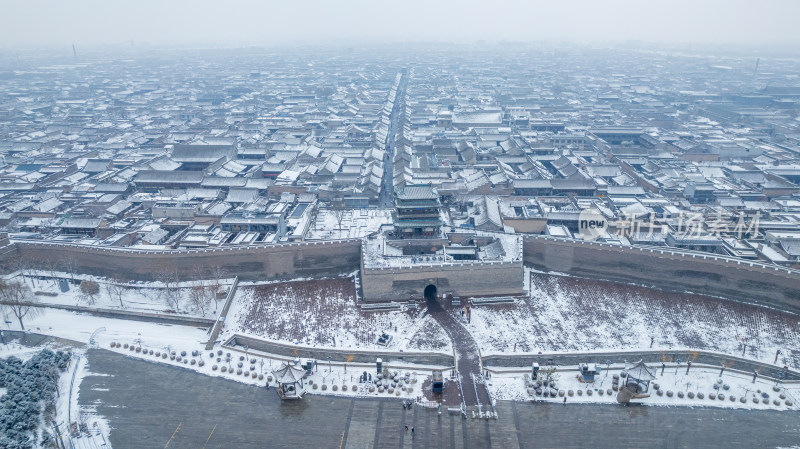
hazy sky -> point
(238, 22)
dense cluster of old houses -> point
(248, 147)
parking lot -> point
(150, 405)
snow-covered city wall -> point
(666, 269)
(662, 268)
(264, 262)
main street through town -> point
(151, 405)
(387, 187)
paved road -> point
(150, 405)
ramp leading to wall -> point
(223, 314)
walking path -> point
(468, 363)
(652, 357)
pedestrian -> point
(406, 427)
(412, 431)
(565, 400)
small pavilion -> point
(637, 382)
(639, 377)
(290, 381)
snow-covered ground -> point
(514, 385)
(323, 313)
(356, 223)
(80, 327)
(561, 314)
(166, 339)
(580, 315)
(69, 410)
(148, 297)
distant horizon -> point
(137, 49)
(243, 23)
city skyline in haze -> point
(100, 23)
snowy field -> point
(355, 223)
(150, 297)
(576, 315)
(323, 313)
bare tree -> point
(18, 298)
(70, 264)
(218, 273)
(116, 288)
(89, 291)
(339, 215)
(28, 264)
(51, 265)
(199, 297)
(168, 275)
(199, 273)
(338, 210)
(15, 264)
